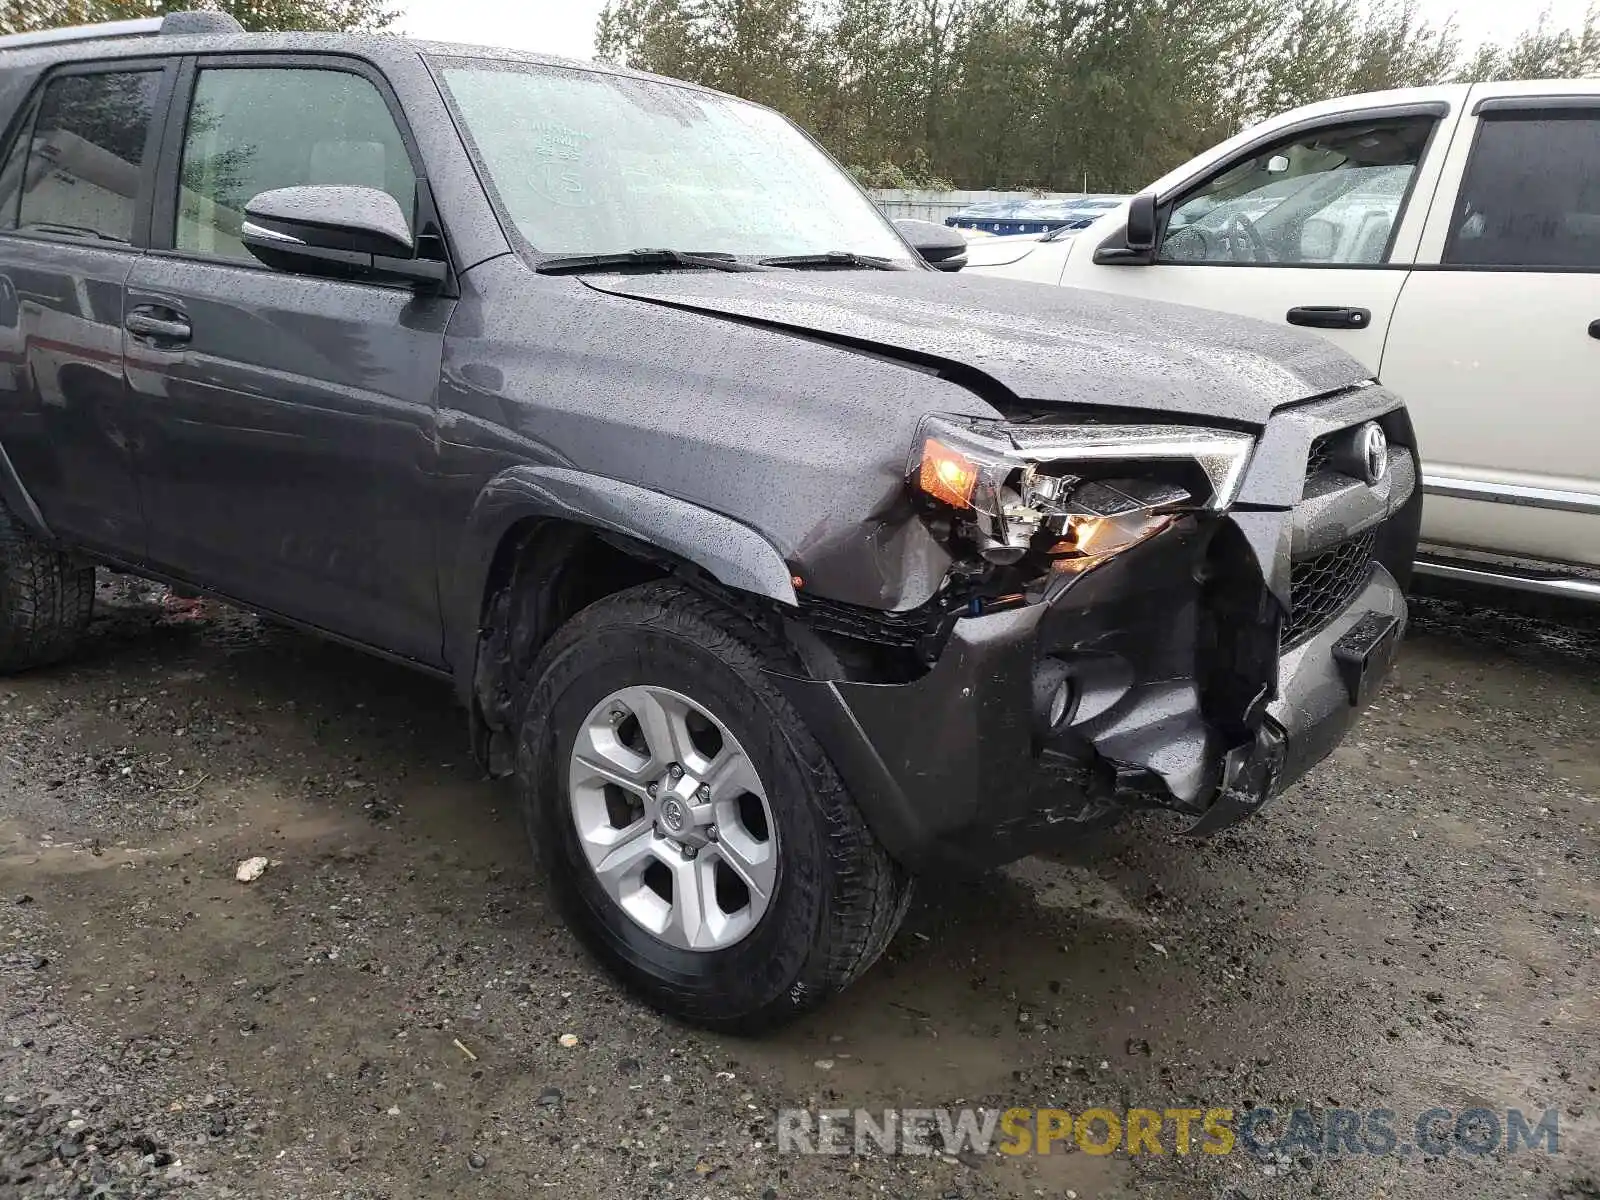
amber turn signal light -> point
(947, 475)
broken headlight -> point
(1069, 496)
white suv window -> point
(1531, 196)
(1328, 197)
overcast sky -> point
(567, 26)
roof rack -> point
(172, 24)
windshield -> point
(585, 162)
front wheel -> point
(697, 836)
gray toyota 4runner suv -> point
(774, 565)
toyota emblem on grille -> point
(1372, 451)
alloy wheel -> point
(673, 818)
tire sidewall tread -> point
(839, 897)
(46, 599)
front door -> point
(1496, 340)
(290, 460)
(1309, 228)
(75, 189)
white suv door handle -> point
(1329, 316)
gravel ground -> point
(392, 1009)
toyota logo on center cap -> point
(672, 816)
(1372, 451)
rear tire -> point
(46, 599)
(837, 896)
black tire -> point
(46, 599)
(839, 897)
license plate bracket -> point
(1365, 653)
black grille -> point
(1321, 454)
(902, 629)
(1321, 586)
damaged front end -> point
(1136, 617)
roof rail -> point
(171, 24)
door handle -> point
(1594, 329)
(147, 323)
(1327, 316)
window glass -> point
(587, 162)
(11, 173)
(84, 164)
(254, 129)
(1332, 196)
(1531, 196)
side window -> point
(11, 174)
(253, 129)
(1531, 195)
(1332, 196)
(84, 160)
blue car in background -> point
(1039, 215)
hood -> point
(1036, 342)
(1000, 251)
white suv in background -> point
(1448, 237)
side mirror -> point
(940, 246)
(1277, 164)
(346, 232)
(1142, 223)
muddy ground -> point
(382, 1013)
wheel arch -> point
(543, 542)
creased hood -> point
(1038, 342)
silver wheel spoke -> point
(609, 772)
(732, 774)
(752, 861)
(665, 721)
(616, 864)
(693, 901)
(599, 754)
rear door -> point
(76, 190)
(1314, 224)
(290, 460)
(1495, 343)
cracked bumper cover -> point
(959, 767)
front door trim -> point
(1519, 494)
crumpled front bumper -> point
(953, 768)
(1182, 694)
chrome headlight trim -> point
(1221, 454)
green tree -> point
(1336, 47)
(754, 48)
(21, 16)
(1055, 94)
(1543, 52)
